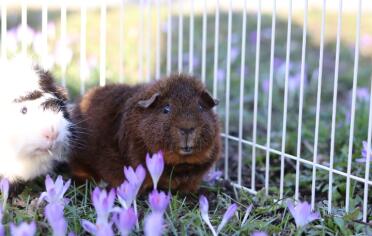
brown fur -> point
(119, 130)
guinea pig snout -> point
(186, 131)
(50, 134)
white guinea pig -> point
(35, 127)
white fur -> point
(24, 152)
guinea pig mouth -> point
(186, 150)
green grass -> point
(183, 217)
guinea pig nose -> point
(50, 134)
(186, 131)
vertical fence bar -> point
(334, 107)
(191, 41)
(301, 98)
(102, 42)
(44, 33)
(24, 27)
(121, 42)
(285, 108)
(256, 82)
(368, 159)
(3, 31)
(216, 47)
(83, 42)
(241, 99)
(269, 110)
(148, 45)
(318, 98)
(63, 39)
(227, 103)
(140, 43)
(158, 43)
(169, 38)
(204, 41)
(180, 36)
(355, 81)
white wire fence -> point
(291, 109)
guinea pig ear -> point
(208, 99)
(148, 102)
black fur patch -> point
(47, 84)
(29, 97)
(53, 104)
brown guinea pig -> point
(120, 124)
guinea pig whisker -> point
(50, 152)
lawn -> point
(269, 214)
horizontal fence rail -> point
(293, 117)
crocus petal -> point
(4, 188)
(23, 229)
(125, 194)
(259, 233)
(302, 213)
(227, 216)
(54, 191)
(159, 201)
(155, 165)
(125, 221)
(204, 206)
(154, 224)
(48, 183)
(89, 227)
(103, 203)
(55, 217)
(135, 178)
(212, 176)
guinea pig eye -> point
(24, 110)
(201, 108)
(166, 109)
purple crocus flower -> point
(365, 153)
(135, 178)
(294, 82)
(212, 176)
(1, 222)
(23, 229)
(302, 213)
(104, 229)
(4, 189)
(259, 233)
(154, 224)
(56, 219)
(221, 74)
(234, 54)
(227, 216)
(159, 201)
(204, 207)
(55, 191)
(126, 194)
(265, 85)
(103, 202)
(362, 94)
(155, 165)
(125, 221)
